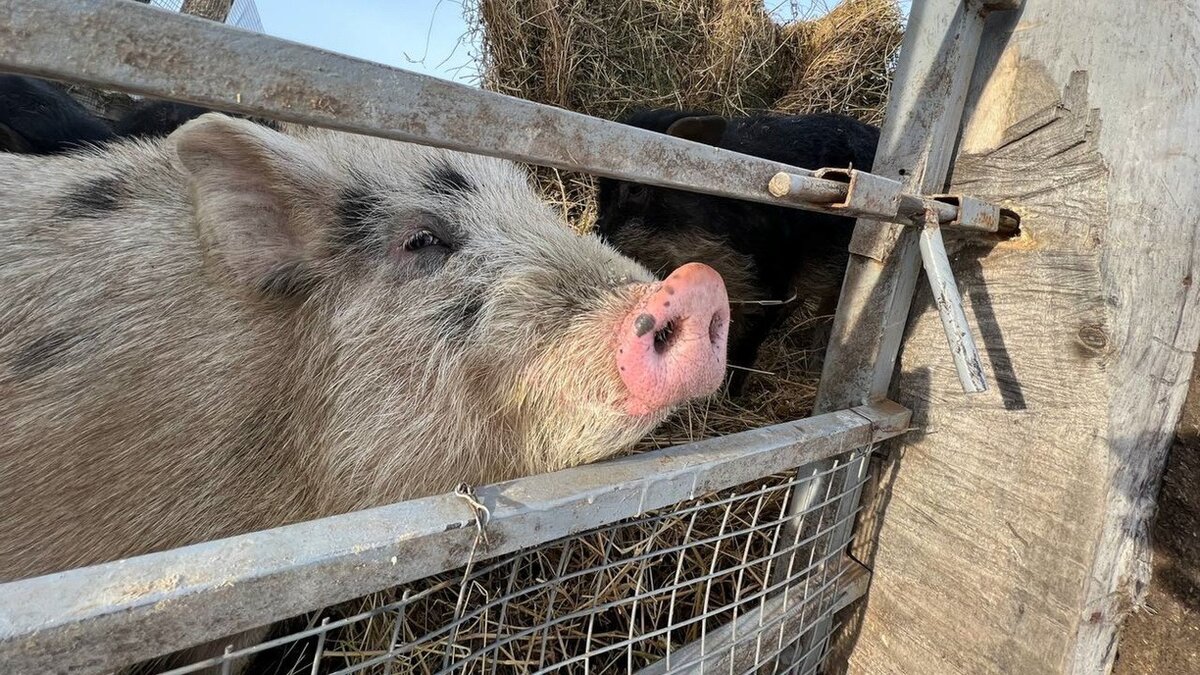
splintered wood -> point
(1010, 534)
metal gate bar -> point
(145, 50)
(197, 593)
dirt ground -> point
(1164, 637)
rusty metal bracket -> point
(872, 196)
(860, 194)
(867, 195)
(979, 216)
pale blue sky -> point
(419, 35)
(427, 36)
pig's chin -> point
(644, 411)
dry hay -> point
(604, 58)
(608, 57)
(561, 600)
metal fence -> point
(663, 589)
(243, 13)
(592, 569)
(425, 585)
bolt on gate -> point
(475, 581)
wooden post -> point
(214, 10)
(1010, 532)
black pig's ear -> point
(254, 190)
(11, 141)
(707, 129)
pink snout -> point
(671, 347)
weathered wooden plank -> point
(1012, 536)
(1161, 636)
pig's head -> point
(446, 326)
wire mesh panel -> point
(243, 13)
(686, 588)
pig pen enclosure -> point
(730, 554)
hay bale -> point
(728, 56)
(849, 57)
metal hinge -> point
(866, 195)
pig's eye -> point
(423, 239)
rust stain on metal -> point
(867, 195)
(296, 95)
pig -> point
(236, 327)
(154, 118)
(763, 252)
(39, 117)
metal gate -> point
(483, 579)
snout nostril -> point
(714, 328)
(664, 337)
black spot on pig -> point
(446, 181)
(43, 353)
(763, 252)
(358, 212)
(39, 117)
(462, 318)
(470, 313)
(94, 198)
(289, 282)
(644, 324)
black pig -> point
(38, 117)
(764, 253)
(153, 118)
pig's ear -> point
(706, 129)
(252, 187)
(11, 141)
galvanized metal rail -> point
(93, 619)
(145, 50)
